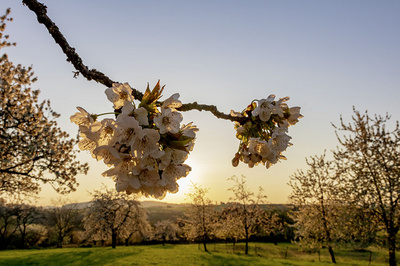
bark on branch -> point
(92, 74)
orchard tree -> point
(26, 216)
(270, 224)
(114, 215)
(200, 217)
(8, 224)
(246, 207)
(369, 166)
(63, 219)
(16, 221)
(313, 193)
(36, 234)
(359, 227)
(144, 143)
(229, 226)
(33, 149)
(166, 231)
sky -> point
(327, 56)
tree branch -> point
(92, 74)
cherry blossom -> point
(172, 102)
(118, 94)
(168, 121)
(83, 118)
(263, 131)
(145, 147)
(265, 108)
(294, 115)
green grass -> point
(219, 254)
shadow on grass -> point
(58, 257)
(166, 246)
(234, 259)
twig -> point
(92, 74)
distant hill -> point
(145, 204)
(159, 211)
(153, 203)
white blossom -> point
(119, 94)
(146, 143)
(279, 140)
(172, 156)
(264, 108)
(175, 171)
(148, 163)
(294, 115)
(134, 181)
(172, 102)
(189, 130)
(121, 184)
(108, 154)
(149, 178)
(83, 118)
(128, 129)
(141, 116)
(122, 167)
(108, 132)
(142, 157)
(168, 121)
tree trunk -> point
(332, 254)
(392, 248)
(205, 245)
(23, 244)
(246, 250)
(114, 240)
(60, 240)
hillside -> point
(159, 211)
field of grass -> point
(193, 254)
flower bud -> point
(235, 162)
(251, 164)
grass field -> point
(193, 254)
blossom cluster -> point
(262, 131)
(144, 146)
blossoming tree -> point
(33, 149)
(166, 230)
(200, 218)
(116, 216)
(145, 145)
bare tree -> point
(63, 219)
(369, 166)
(26, 215)
(114, 215)
(16, 221)
(247, 207)
(8, 224)
(31, 144)
(200, 216)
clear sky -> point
(328, 56)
